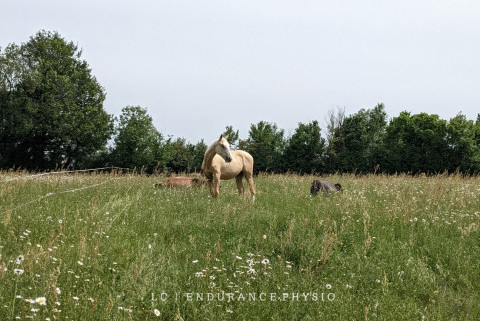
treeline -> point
(366, 142)
(52, 116)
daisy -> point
(18, 271)
(19, 259)
(157, 313)
(41, 300)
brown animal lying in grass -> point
(324, 186)
(181, 181)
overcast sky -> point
(199, 65)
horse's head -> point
(222, 148)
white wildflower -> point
(41, 300)
(19, 259)
(18, 271)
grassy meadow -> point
(113, 247)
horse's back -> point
(241, 162)
(247, 158)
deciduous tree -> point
(51, 106)
(305, 151)
(266, 144)
(137, 141)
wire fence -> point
(111, 168)
(50, 194)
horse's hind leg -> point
(216, 185)
(249, 177)
(239, 179)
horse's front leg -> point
(210, 185)
(216, 185)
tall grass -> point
(387, 248)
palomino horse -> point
(181, 181)
(221, 163)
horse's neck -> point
(208, 158)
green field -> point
(113, 247)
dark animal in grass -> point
(324, 186)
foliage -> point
(181, 155)
(416, 144)
(463, 141)
(137, 142)
(266, 144)
(51, 107)
(305, 151)
(198, 154)
(232, 136)
(357, 144)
